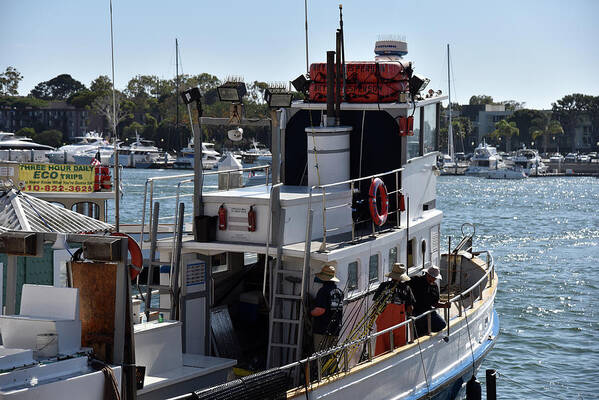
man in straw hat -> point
(328, 309)
(398, 290)
(426, 291)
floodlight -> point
(301, 84)
(232, 91)
(191, 95)
(277, 98)
(417, 83)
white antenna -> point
(116, 153)
(306, 18)
(450, 127)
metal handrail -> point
(351, 182)
(490, 267)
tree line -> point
(146, 106)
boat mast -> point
(177, 133)
(306, 19)
(116, 153)
(450, 127)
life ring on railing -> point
(137, 259)
(378, 187)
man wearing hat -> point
(426, 291)
(397, 288)
(328, 309)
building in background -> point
(483, 118)
(71, 121)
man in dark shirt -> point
(328, 309)
(398, 290)
(426, 292)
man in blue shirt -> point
(328, 309)
(426, 292)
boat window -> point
(414, 141)
(429, 129)
(373, 268)
(410, 253)
(392, 257)
(352, 275)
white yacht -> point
(514, 172)
(530, 161)
(210, 157)
(65, 154)
(21, 149)
(140, 154)
(101, 153)
(258, 153)
(485, 158)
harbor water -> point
(544, 236)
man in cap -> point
(328, 309)
(398, 290)
(426, 292)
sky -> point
(529, 51)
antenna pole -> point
(342, 47)
(450, 127)
(115, 138)
(306, 18)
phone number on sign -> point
(59, 188)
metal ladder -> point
(153, 266)
(290, 329)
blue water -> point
(544, 236)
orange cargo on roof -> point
(364, 72)
(361, 92)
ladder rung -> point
(288, 346)
(159, 309)
(288, 296)
(160, 287)
(289, 272)
(286, 321)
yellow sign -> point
(57, 177)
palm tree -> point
(507, 130)
(553, 128)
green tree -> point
(528, 121)
(101, 86)
(462, 128)
(552, 128)
(61, 87)
(51, 137)
(568, 110)
(132, 129)
(512, 105)
(26, 132)
(9, 82)
(480, 99)
(505, 129)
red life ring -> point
(137, 259)
(378, 186)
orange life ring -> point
(378, 186)
(137, 259)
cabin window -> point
(411, 253)
(392, 257)
(373, 268)
(414, 141)
(429, 128)
(352, 275)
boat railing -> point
(339, 356)
(352, 184)
(183, 180)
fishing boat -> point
(356, 190)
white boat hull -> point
(400, 375)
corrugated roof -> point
(21, 211)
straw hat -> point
(327, 273)
(434, 271)
(398, 272)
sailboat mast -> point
(450, 127)
(177, 133)
(115, 139)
